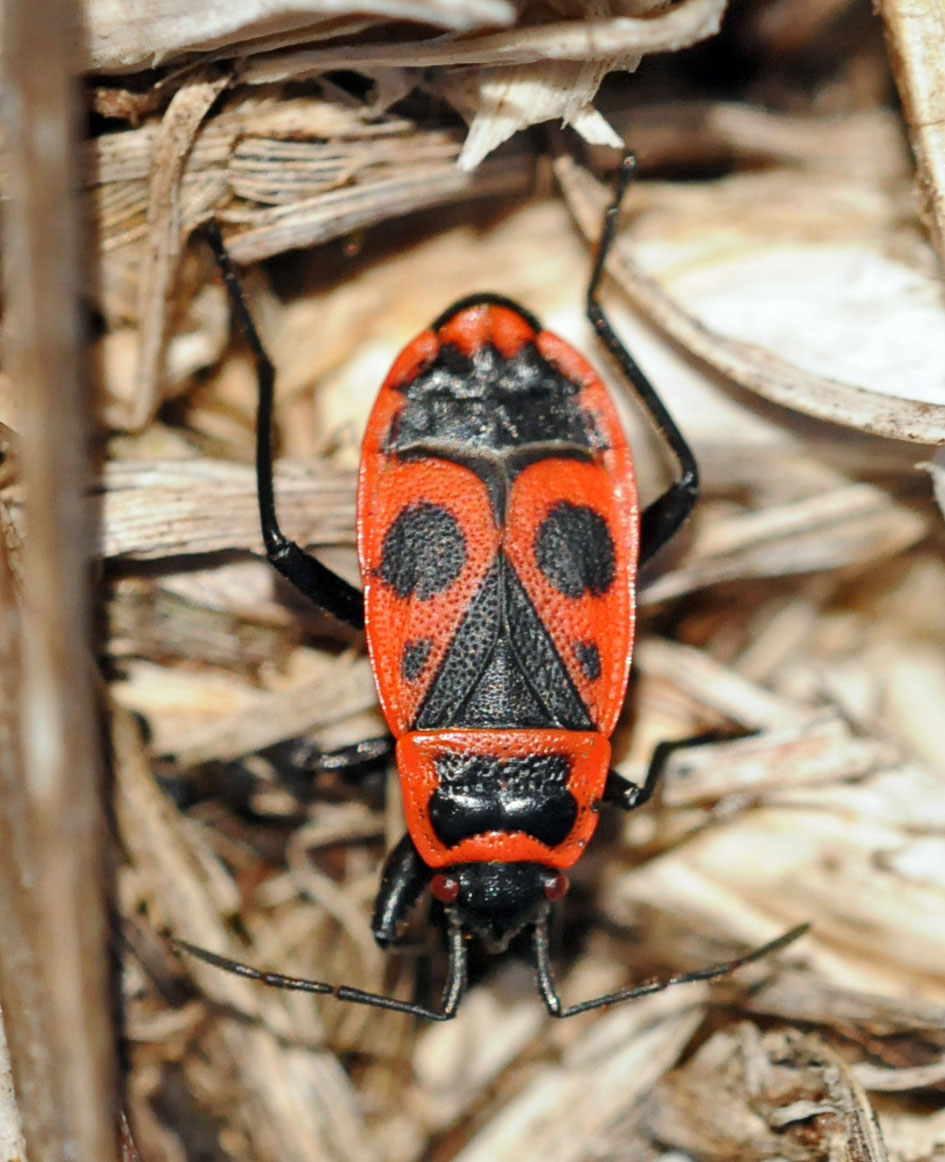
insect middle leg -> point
(354, 763)
(622, 793)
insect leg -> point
(353, 763)
(622, 793)
(313, 579)
(404, 877)
(662, 518)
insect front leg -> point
(404, 877)
(314, 580)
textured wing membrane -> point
(498, 531)
(571, 539)
(428, 539)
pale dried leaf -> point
(500, 102)
(852, 525)
(12, 1145)
(868, 143)
(936, 470)
(165, 508)
(179, 127)
(197, 719)
(455, 1065)
(807, 997)
(878, 1079)
(618, 1060)
(913, 1134)
(821, 749)
(833, 811)
(297, 1096)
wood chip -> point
(917, 42)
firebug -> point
(499, 537)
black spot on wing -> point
(588, 656)
(424, 551)
(575, 551)
(414, 657)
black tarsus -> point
(661, 519)
(355, 763)
(312, 579)
(628, 796)
(359, 759)
(549, 993)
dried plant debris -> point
(120, 41)
(286, 173)
(785, 296)
(781, 1095)
(11, 1132)
(237, 140)
(813, 618)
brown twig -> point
(52, 900)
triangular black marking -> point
(539, 661)
(502, 669)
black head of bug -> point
(495, 901)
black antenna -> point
(452, 992)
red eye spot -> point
(556, 886)
(445, 888)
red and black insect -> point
(499, 536)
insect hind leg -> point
(623, 793)
(355, 763)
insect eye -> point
(556, 886)
(445, 888)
